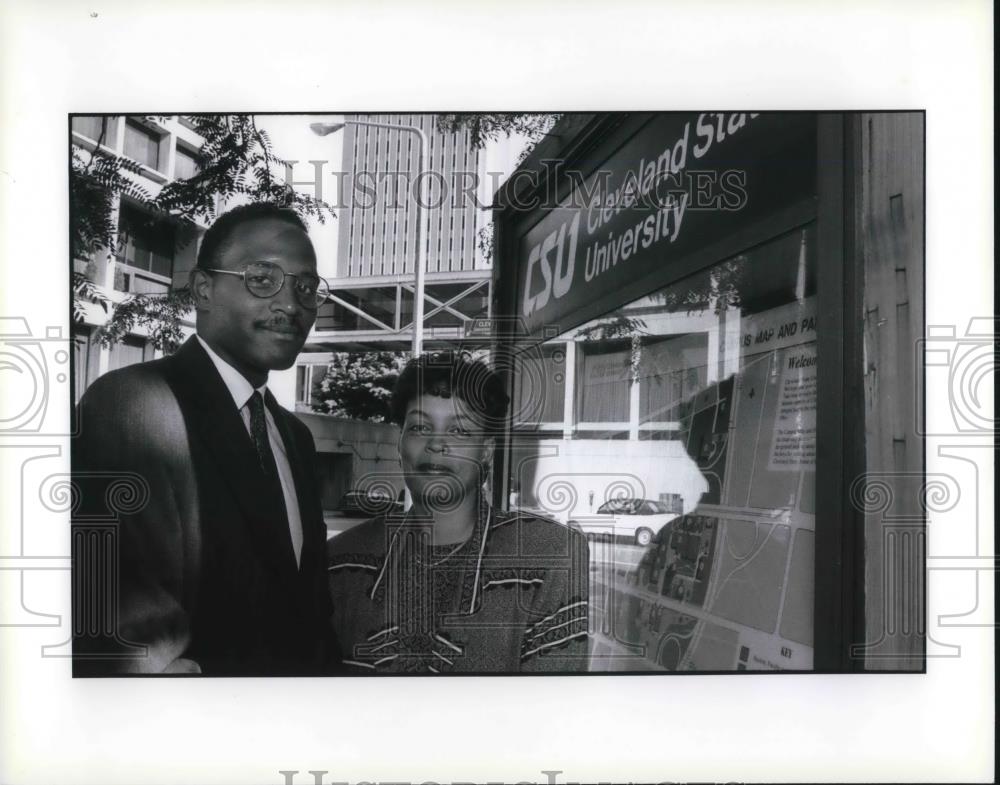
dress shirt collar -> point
(236, 382)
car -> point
(366, 504)
(638, 519)
(357, 507)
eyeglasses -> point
(265, 279)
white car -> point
(638, 519)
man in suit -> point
(198, 532)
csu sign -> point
(555, 259)
(680, 183)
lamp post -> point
(324, 129)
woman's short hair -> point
(452, 373)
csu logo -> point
(556, 269)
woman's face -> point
(443, 449)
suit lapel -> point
(225, 438)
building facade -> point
(373, 272)
(151, 254)
(383, 216)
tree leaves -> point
(358, 386)
(236, 162)
(489, 127)
(85, 290)
(159, 314)
(94, 184)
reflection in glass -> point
(687, 454)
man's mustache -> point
(282, 324)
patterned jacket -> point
(513, 598)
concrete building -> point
(151, 254)
(373, 283)
(373, 303)
(372, 273)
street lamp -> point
(324, 129)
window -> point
(541, 386)
(129, 352)
(604, 381)
(186, 164)
(671, 368)
(145, 242)
(308, 378)
(142, 145)
(301, 383)
(83, 369)
(91, 127)
(701, 506)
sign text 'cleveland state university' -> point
(680, 183)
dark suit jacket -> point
(186, 557)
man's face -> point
(256, 334)
(442, 448)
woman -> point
(453, 585)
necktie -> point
(258, 432)
(261, 442)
